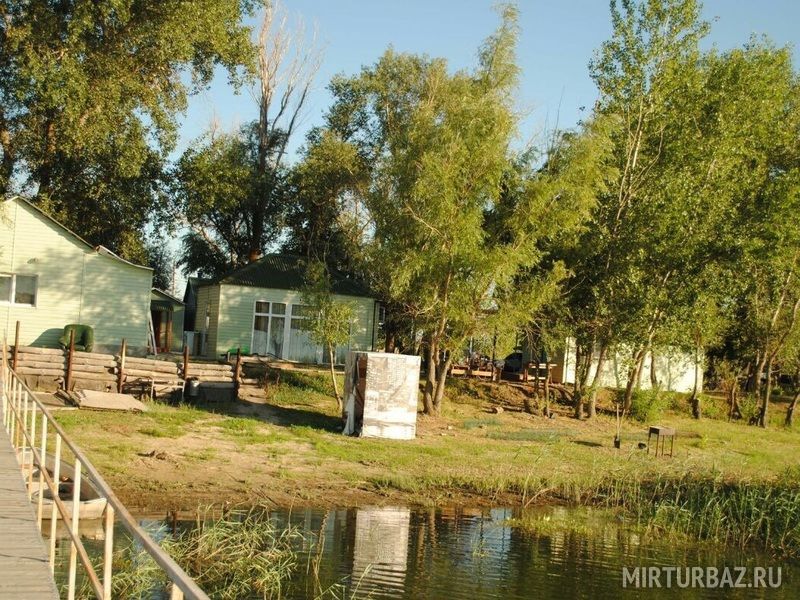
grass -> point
(291, 449)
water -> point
(464, 554)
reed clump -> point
(764, 514)
(241, 555)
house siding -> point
(235, 311)
(75, 284)
(208, 306)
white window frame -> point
(10, 301)
(269, 315)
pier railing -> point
(33, 433)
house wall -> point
(236, 306)
(675, 369)
(207, 317)
(75, 284)
(178, 316)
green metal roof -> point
(287, 272)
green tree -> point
(329, 320)
(628, 267)
(454, 224)
(217, 187)
(231, 187)
(90, 92)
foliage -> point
(647, 406)
(89, 97)
(454, 216)
(216, 187)
(231, 189)
(328, 319)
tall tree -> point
(627, 267)
(89, 96)
(230, 187)
(454, 228)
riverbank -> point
(287, 451)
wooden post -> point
(185, 362)
(108, 551)
(75, 524)
(54, 509)
(16, 349)
(121, 374)
(237, 373)
(70, 352)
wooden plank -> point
(33, 350)
(24, 570)
(108, 401)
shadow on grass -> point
(283, 416)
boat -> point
(92, 504)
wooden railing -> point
(33, 433)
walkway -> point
(24, 570)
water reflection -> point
(459, 553)
(471, 554)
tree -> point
(329, 320)
(325, 219)
(231, 187)
(756, 112)
(628, 268)
(89, 97)
(216, 185)
(454, 220)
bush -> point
(648, 405)
(749, 406)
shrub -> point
(648, 405)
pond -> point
(469, 554)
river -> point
(470, 554)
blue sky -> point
(557, 40)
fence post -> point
(237, 373)
(70, 352)
(16, 348)
(108, 551)
(76, 515)
(121, 374)
(42, 467)
(185, 362)
(54, 511)
(32, 445)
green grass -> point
(472, 455)
(244, 431)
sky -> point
(557, 41)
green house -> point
(51, 277)
(258, 308)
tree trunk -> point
(430, 381)
(696, 409)
(790, 410)
(583, 363)
(763, 413)
(757, 374)
(653, 374)
(441, 379)
(601, 360)
(332, 357)
(633, 377)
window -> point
(18, 289)
(268, 328)
(301, 347)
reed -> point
(241, 555)
(764, 514)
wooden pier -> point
(24, 568)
